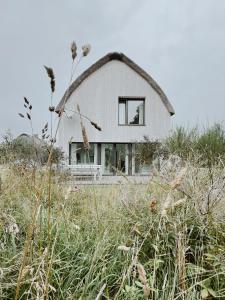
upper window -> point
(131, 111)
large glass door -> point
(121, 158)
(115, 159)
(107, 158)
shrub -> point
(211, 145)
(206, 147)
(27, 149)
(181, 142)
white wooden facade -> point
(98, 94)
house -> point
(125, 102)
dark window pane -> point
(108, 158)
(121, 157)
(136, 112)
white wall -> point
(98, 96)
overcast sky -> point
(180, 43)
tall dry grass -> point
(115, 242)
(48, 174)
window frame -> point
(127, 99)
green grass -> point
(182, 253)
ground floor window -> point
(79, 155)
(114, 158)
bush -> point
(211, 145)
(27, 149)
(207, 147)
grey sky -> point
(181, 43)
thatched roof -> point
(123, 58)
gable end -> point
(123, 58)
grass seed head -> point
(50, 72)
(73, 50)
(96, 126)
(85, 137)
(142, 273)
(179, 202)
(86, 49)
(51, 108)
(124, 248)
(136, 230)
(53, 140)
(146, 290)
(26, 101)
(52, 83)
(52, 77)
(178, 180)
(28, 116)
(153, 205)
(167, 205)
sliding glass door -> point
(114, 159)
(107, 159)
(121, 158)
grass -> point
(176, 255)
